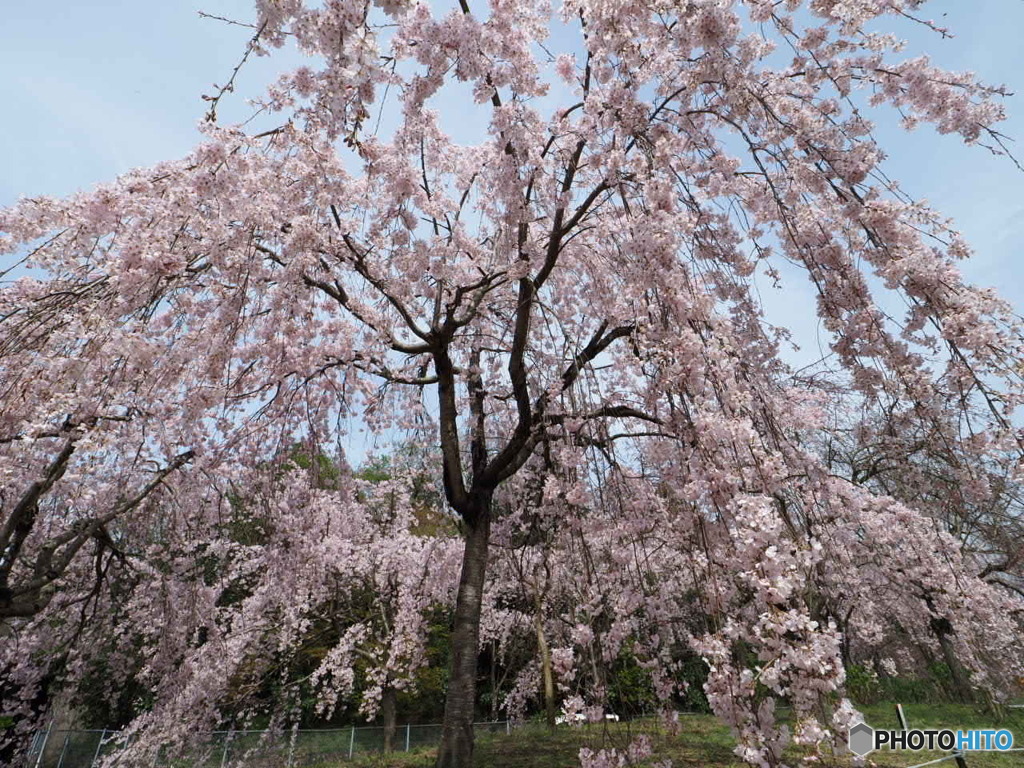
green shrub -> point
(862, 684)
(865, 687)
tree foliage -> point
(557, 287)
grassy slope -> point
(704, 742)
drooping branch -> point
(21, 520)
(55, 555)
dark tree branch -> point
(29, 598)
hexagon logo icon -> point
(862, 739)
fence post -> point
(42, 749)
(408, 727)
(96, 754)
(224, 754)
(352, 742)
(63, 750)
(291, 749)
(127, 742)
(901, 717)
(508, 727)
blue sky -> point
(92, 89)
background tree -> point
(974, 502)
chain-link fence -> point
(309, 748)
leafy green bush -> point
(694, 673)
(866, 688)
(862, 684)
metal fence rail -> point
(307, 748)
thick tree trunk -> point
(456, 750)
(389, 714)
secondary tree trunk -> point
(456, 750)
(494, 680)
(545, 665)
(961, 685)
(389, 714)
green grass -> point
(703, 742)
